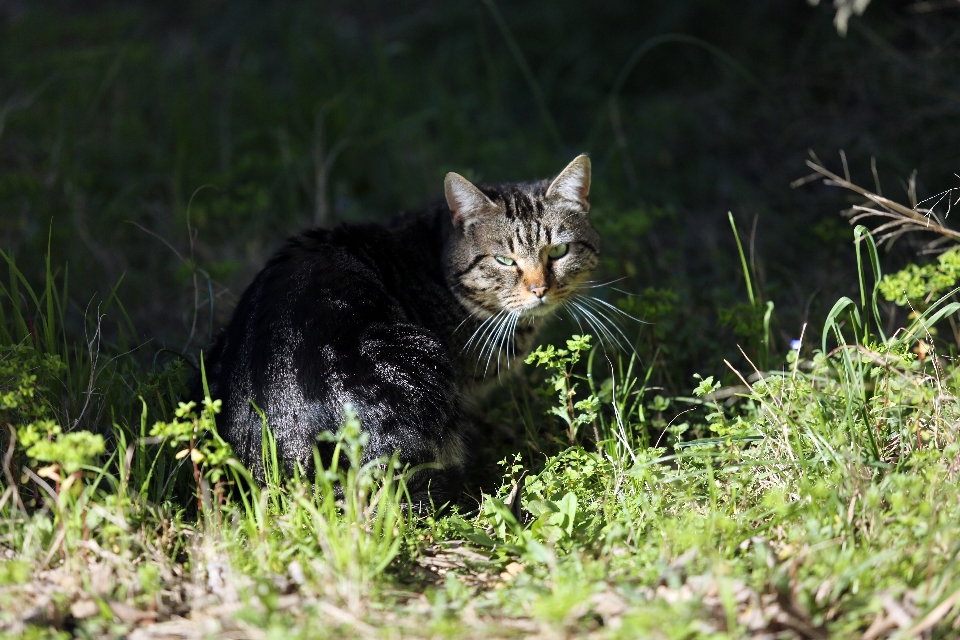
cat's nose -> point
(538, 289)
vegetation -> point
(803, 485)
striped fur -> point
(403, 322)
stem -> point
(196, 477)
(743, 260)
(10, 470)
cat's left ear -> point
(573, 183)
(467, 203)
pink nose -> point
(539, 290)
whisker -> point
(493, 343)
(594, 286)
(481, 329)
(602, 334)
(576, 318)
(490, 324)
(599, 318)
(495, 335)
(469, 316)
(617, 309)
(486, 323)
(596, 330)
(612, 323)
(591, 281)
(488, 336)
(512, 342)
(504, 340)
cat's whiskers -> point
(603, 334)
(508, 340)
(592, 304)
(469, 317)
(590, 284)
(575, 317)
(573, 310)
(616, 309)
(491, 342)
(473, 336)
(484, 338)
(486, 323)
(577, 313)
(499, 342)
(596, 317)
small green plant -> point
(44, 441)
(26, 378)
(562, 380)
(195, 435)
(918, 285)
(751, 320)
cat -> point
(404, 322)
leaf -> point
(831, 322)
(568, 504)
(706, 386)
(50, 472)
(561, 412)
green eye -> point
(558, 251)
(505, 260)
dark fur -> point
(371, 316)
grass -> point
(804, 492)
(815, 499)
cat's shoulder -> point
(317, 242)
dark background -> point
(123, 125)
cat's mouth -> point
(540, 307)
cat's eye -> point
(505, 260)
(558, 251)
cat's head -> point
(521, 247)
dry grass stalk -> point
(901, 219)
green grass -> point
(817, 498)
(164, 152)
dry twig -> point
(900, 219)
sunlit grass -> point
(818, 498)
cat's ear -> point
(573, 183)
(465, 201)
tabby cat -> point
(404, 322)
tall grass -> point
(342, 527)
(817, 497)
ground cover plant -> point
(771, 452)
(816, 497)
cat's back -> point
(330, 319)
(318, 292)
(321, 274)
(312, 289)
(325, 258)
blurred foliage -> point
(176, 144)
(916, 285)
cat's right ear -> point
(467, 203)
